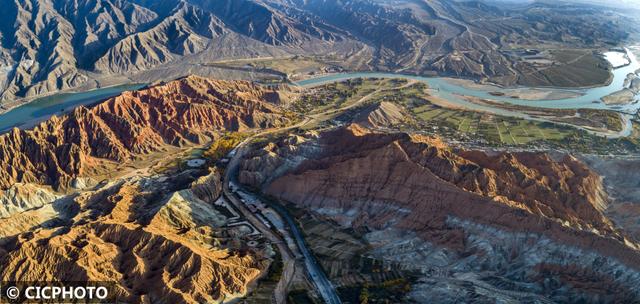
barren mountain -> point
(462, 209)
(74, 206)
(186, 111)
(49, 45)
(155, 245)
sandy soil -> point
(624, 96)
(444, 103)
(520, 93)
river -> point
(445, 88)
(43, 108)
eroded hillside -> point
(51, 45)
(90, 141)
(105, 194)
(506, 224)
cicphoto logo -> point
(56, 292)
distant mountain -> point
(49, 45)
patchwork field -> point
(506, 130)
(567, 68)
(431, 115)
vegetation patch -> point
(390, 291)
(221, 147)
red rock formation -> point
(153, 249)
(185, 111)
(416, 183)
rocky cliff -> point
(536, 183)
(156, 245)
(182, 112)
(389, 182)
(158, 237)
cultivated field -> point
(505, 130)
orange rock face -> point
(156, 247)
(185, 111)
(418, 173)
(417, 184)
(158, 238)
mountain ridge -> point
(489, 218)
(191, 110)
(51, 45)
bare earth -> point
(520, 93)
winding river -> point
(445, 88)
(42, 108)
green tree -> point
(364, 294)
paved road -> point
(318, 277)
(316, 274)
(288, 260)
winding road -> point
(316, 275)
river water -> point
(43, 108)
(444, 88)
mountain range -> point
(106, 193)
(51, 45)
(159, 238)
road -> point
(288, 259)
(316, 275)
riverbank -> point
(96, 83)
(517, 92)
(447, 89)
(29, 114)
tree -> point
(364, 294)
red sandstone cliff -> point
(417, 183)
(155, 247)
(185, 111)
